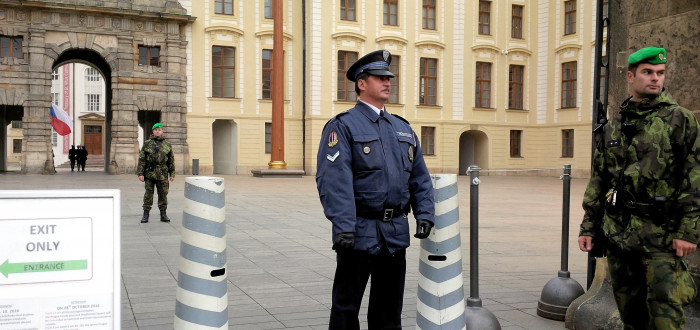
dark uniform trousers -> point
(163, 187)
(354, 268)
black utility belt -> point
(383, 215)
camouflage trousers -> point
(650, 289)
(163, 187)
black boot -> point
(164, 217)
(144, 219)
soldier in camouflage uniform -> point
(644, 191)
(156, 164)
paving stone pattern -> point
(280, 263)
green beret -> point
(653, 55)
(157, 125)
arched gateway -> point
(138, 46)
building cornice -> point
(225, 28)
(430, 43)
(269, 33)
(391, 38)
(339, 35)
(129, 13)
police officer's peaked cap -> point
(375, 63)
(652, 55)
(157, 125)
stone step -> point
(92, 161)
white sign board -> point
(60, 259)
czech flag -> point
(60, 121)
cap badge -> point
(386, 55)
(661, 56)
(332, 139)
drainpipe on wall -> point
(303, 88)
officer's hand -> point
(585, 243)
(141, 178)
(423, 228)
(683, 248)
(344, 241)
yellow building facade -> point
(505, 85)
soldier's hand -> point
(423, 228)
(683, 248)
(585, 243)
(344, 241)
(172, 178)
(141, 178)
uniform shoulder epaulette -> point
(334, 118)
(402, 118)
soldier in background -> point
(72, 153)
(644, 192)
(156, 165)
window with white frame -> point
(55, 88)
(93, 89)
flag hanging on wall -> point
(60, 121)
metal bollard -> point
(477, 316)
(195, 166)
(560, 291)
(440, 286)
(202, 295)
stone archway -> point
(473, 150)
(112, 40)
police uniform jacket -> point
(645, 180)
(368, 163)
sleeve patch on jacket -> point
(332, 158)
(332, 139)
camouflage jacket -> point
(645, 178)
(156, 159)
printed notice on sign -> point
(92, 312)
(45, 250)
(59, 259)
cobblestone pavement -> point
(280, 264)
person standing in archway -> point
(72, 153)
(156, 165)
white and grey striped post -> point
(202, 296)
(440, 286)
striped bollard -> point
(440, 286)
(202, 296)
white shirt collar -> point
(376, 110)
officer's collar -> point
(370, 111)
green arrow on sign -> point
(46, 266)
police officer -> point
(370, 175)
(72, 153)
(156, 164)
(644, 190)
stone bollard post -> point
(202, 296)
(440, 286)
